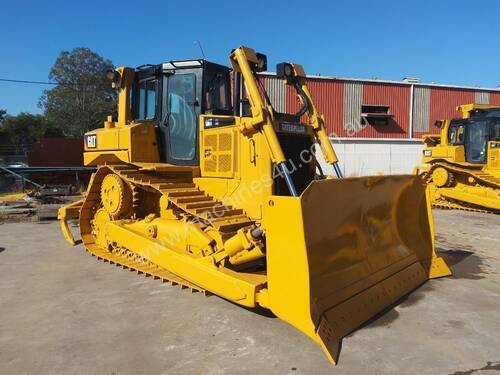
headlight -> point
(427, 152)
(284, 71)
(113, 75)
(262, 62)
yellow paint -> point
(12, 197)
(451, 178)
(335, 256)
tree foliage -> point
(3, 113)
(27, 128)
(84, 97)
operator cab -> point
(172, 96)
(474, 134)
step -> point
(186, 193)
(175, 186)
(191, 206)
(195, 199)
(222, 213)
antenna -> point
(201, 48)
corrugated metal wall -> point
(421, 109)
(495, 98)
(443, 105)
(397, 97)
(352, 100)
(328, 98)
(482, 97)
(275, 89)
(341, 100)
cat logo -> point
(91, 141)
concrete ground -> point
(64, 312)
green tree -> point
(26, 128)
(3, 113)
(84, 97)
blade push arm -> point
(294, 75)
(243, 59)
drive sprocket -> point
(116, 196)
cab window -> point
(217, 94)
(495, 131)
(456, 134)
(146, 103)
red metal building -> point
(377, 125)
(411, 107)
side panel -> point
(235, 167)
(494, 158)
(134, 143)
(219, 152)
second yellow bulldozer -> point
(462, 163)
(201, 182)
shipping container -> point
(56, 152)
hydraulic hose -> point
(302, 94)
(288, 179)
(337, 170)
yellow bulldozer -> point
(462, 164)
(201, 182)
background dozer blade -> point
(345, 250)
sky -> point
(450, 42)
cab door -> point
(181, 111)
(477, 141)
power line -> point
(23, 81)
(44, 83)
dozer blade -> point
(345, 250)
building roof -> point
(393, 82)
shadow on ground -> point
(464, 264)
(390, 314)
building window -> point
(375, 114)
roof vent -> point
(411, 79)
